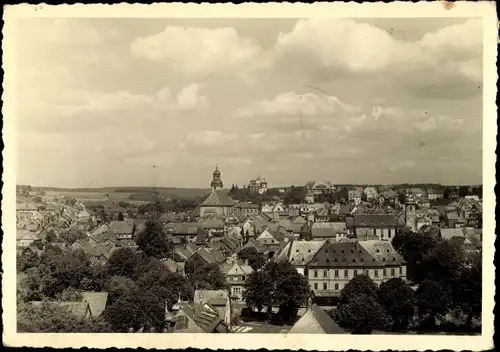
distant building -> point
(373, 226)
(218, 202)
(410, 211)
(259, 185)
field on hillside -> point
(139, 195)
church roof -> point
(218, 198)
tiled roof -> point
(25, 235)
(183, 228)
(447, 234)
(171, 265)
(80, 309)
(97, 301)
(204, 318)
(316, 321)
(382, 252)
(119, 227)
(328, 229)
(212, 223)
(101, 229)
(218, 198)
(300, 252)
(375, 220)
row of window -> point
(346, 272)
(237, 278)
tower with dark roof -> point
(216, 183)
(410, 211)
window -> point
(355, 272)
(384, 273)
(315, 286)
(376, 273)
(325, 273)
(336, 287)
(400, 271)
(393, 273)
(346, 273)
(336, 273)
(325, 286)
(315, 273)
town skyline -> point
(106, 99)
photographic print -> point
(281, 172)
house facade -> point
(236, 275)
(373, 226)
(259, 185)
(337, 263)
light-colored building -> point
(236, 273)
(218, 202)
(259, 185)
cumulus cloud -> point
(341, 47)
(198, 50)
(292, 103)
(189, 98)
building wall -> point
(335, 279)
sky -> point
(161, 102)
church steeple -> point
(216, 183)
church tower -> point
(216, 183)
(410, 211)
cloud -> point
(406, 164)
(199, 51)
(295, 104)
(189, 98)
(333, 47)
(208, 138)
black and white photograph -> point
(285, 174)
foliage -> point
(255, 259)
(51, 236)
(136, 310)
(70, 236)
(295, 195)
(153, 240)
(27, 259)
(413, 247)
(208, 277)
(431, 301)
(443, 263)
(360, 285)
(119, 287)
(51, 317)
(70, 294)
(397, 299)
(122, 262)
(361, 314)
(277, 284)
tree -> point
(153, 240)
(72, 235)
(397, 299)
(51, 236)
(120, 217)
(361, 314)
(467, 292)
(360, 285)
(277, 284)
(295, 195)
(51, 317)
(431, 301)
(208, 277)
(27, 259)
(442, 264)
(255, 259)
(122, 262)
(70, 294)
(413, 247)
(140, 309)
(119, 287)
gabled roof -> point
(448, 234)
(80, 309)
(300, 252)
(172, 266)
(97, 301)
(25, 235)
(328, 229)
(218, 198)
(316, 321)
(118, 227)
(207, 296)
(182, 228)
(375, 220)
(204, 318)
